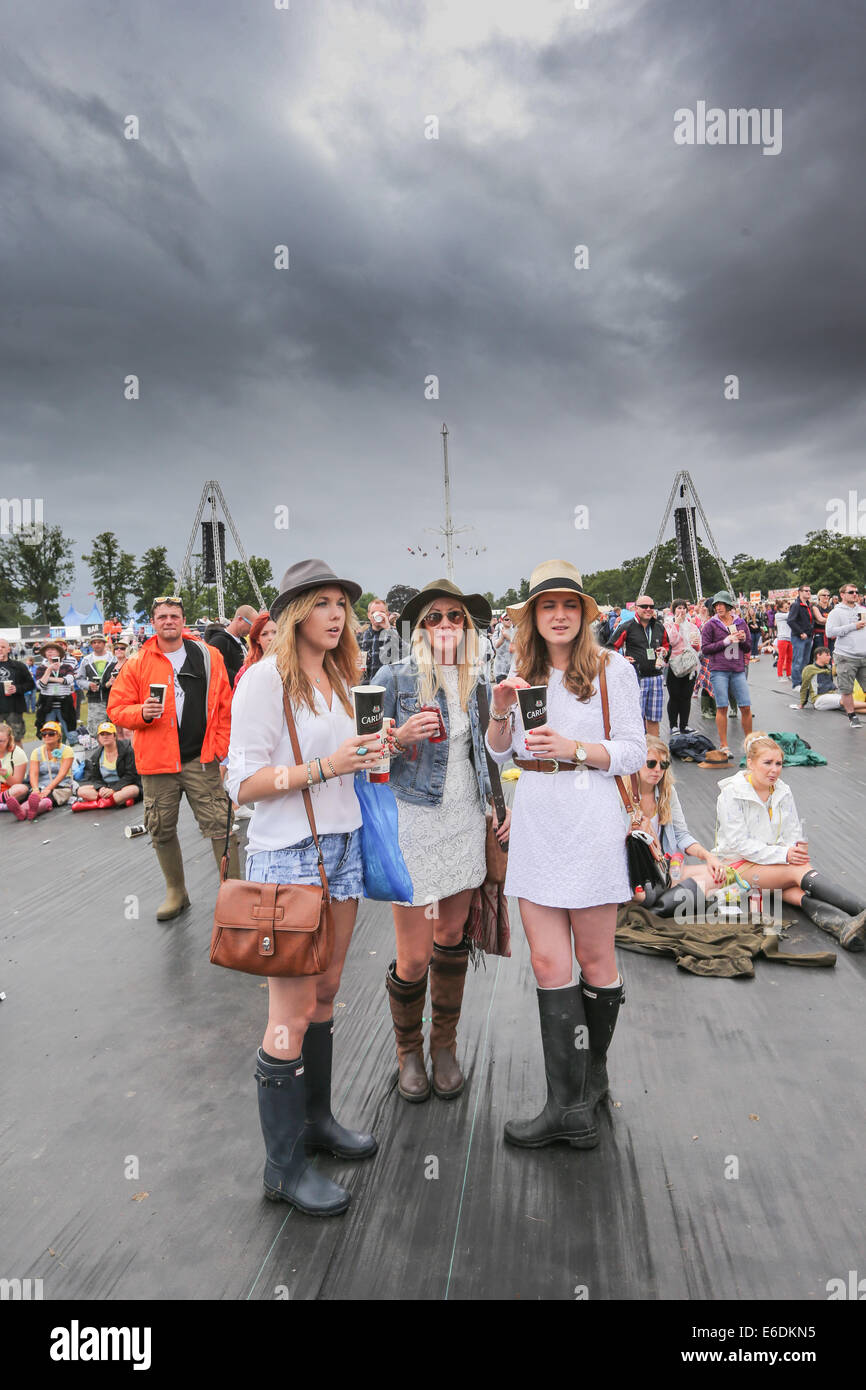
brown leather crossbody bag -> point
(274, 928)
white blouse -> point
(260, 738)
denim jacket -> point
(423, 781)
(675, 836)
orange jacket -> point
(156, 744)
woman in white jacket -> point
(758, 832)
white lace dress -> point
(567, 837)
(443, 845)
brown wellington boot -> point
(407, 1010)
(170, 861)
(219, 850)
(447, 978)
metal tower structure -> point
(688, 498)
(212, 494)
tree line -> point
(35, 572)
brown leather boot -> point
(407, 1010)
(447, 978)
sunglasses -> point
(644, 605)
(655, 762)
(455, 616)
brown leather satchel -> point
(274, 928)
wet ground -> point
(130, 1152)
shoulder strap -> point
(631, 803)
(492, 765)
(308, 800)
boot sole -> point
(340, 1153)
(307, 1211)
(587, 1143)
(450, 1095)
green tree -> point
(113, 571)
(239, 590)
(199, 599)
(38, 569)
(153, 576)
(361, 607)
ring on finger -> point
(360, 751)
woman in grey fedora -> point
(442, 787)
(313, 659)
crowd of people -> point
(214, 720)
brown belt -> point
(546, 765)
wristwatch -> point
(579, 753)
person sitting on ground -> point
(662, 816)
(758, 833)
(818, 688)
(110, 777)
(50, 768)
(13, 774)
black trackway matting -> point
(123, 1046)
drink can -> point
(132, 831)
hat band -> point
(554, 584)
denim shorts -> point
(727, 683)
(299, 863)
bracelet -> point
(334, 770)
(309, 774)
(502, 718)
(321, 771)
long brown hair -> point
(11, 741)
(340, 665)
(532, 658)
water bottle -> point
(755, 900)
(676, 868)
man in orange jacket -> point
(175, 696)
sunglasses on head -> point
(454, 616)
(655, 762)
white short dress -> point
(567, 838)
(443, 846)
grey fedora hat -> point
(310, 574)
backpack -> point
(690, 748)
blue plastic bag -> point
(386, 877)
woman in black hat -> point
(313, 659)
(566, 859)
(440, 780)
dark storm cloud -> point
(411, 257)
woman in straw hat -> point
(567, 860)
(313, 663)
(442, 786)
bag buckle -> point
(549, 772)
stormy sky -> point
(411, 257)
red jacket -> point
(156, 744)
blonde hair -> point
(532, 658)
(665, 787)
(758, 742)
(469, 663)
(11, 741)
(340, 665)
